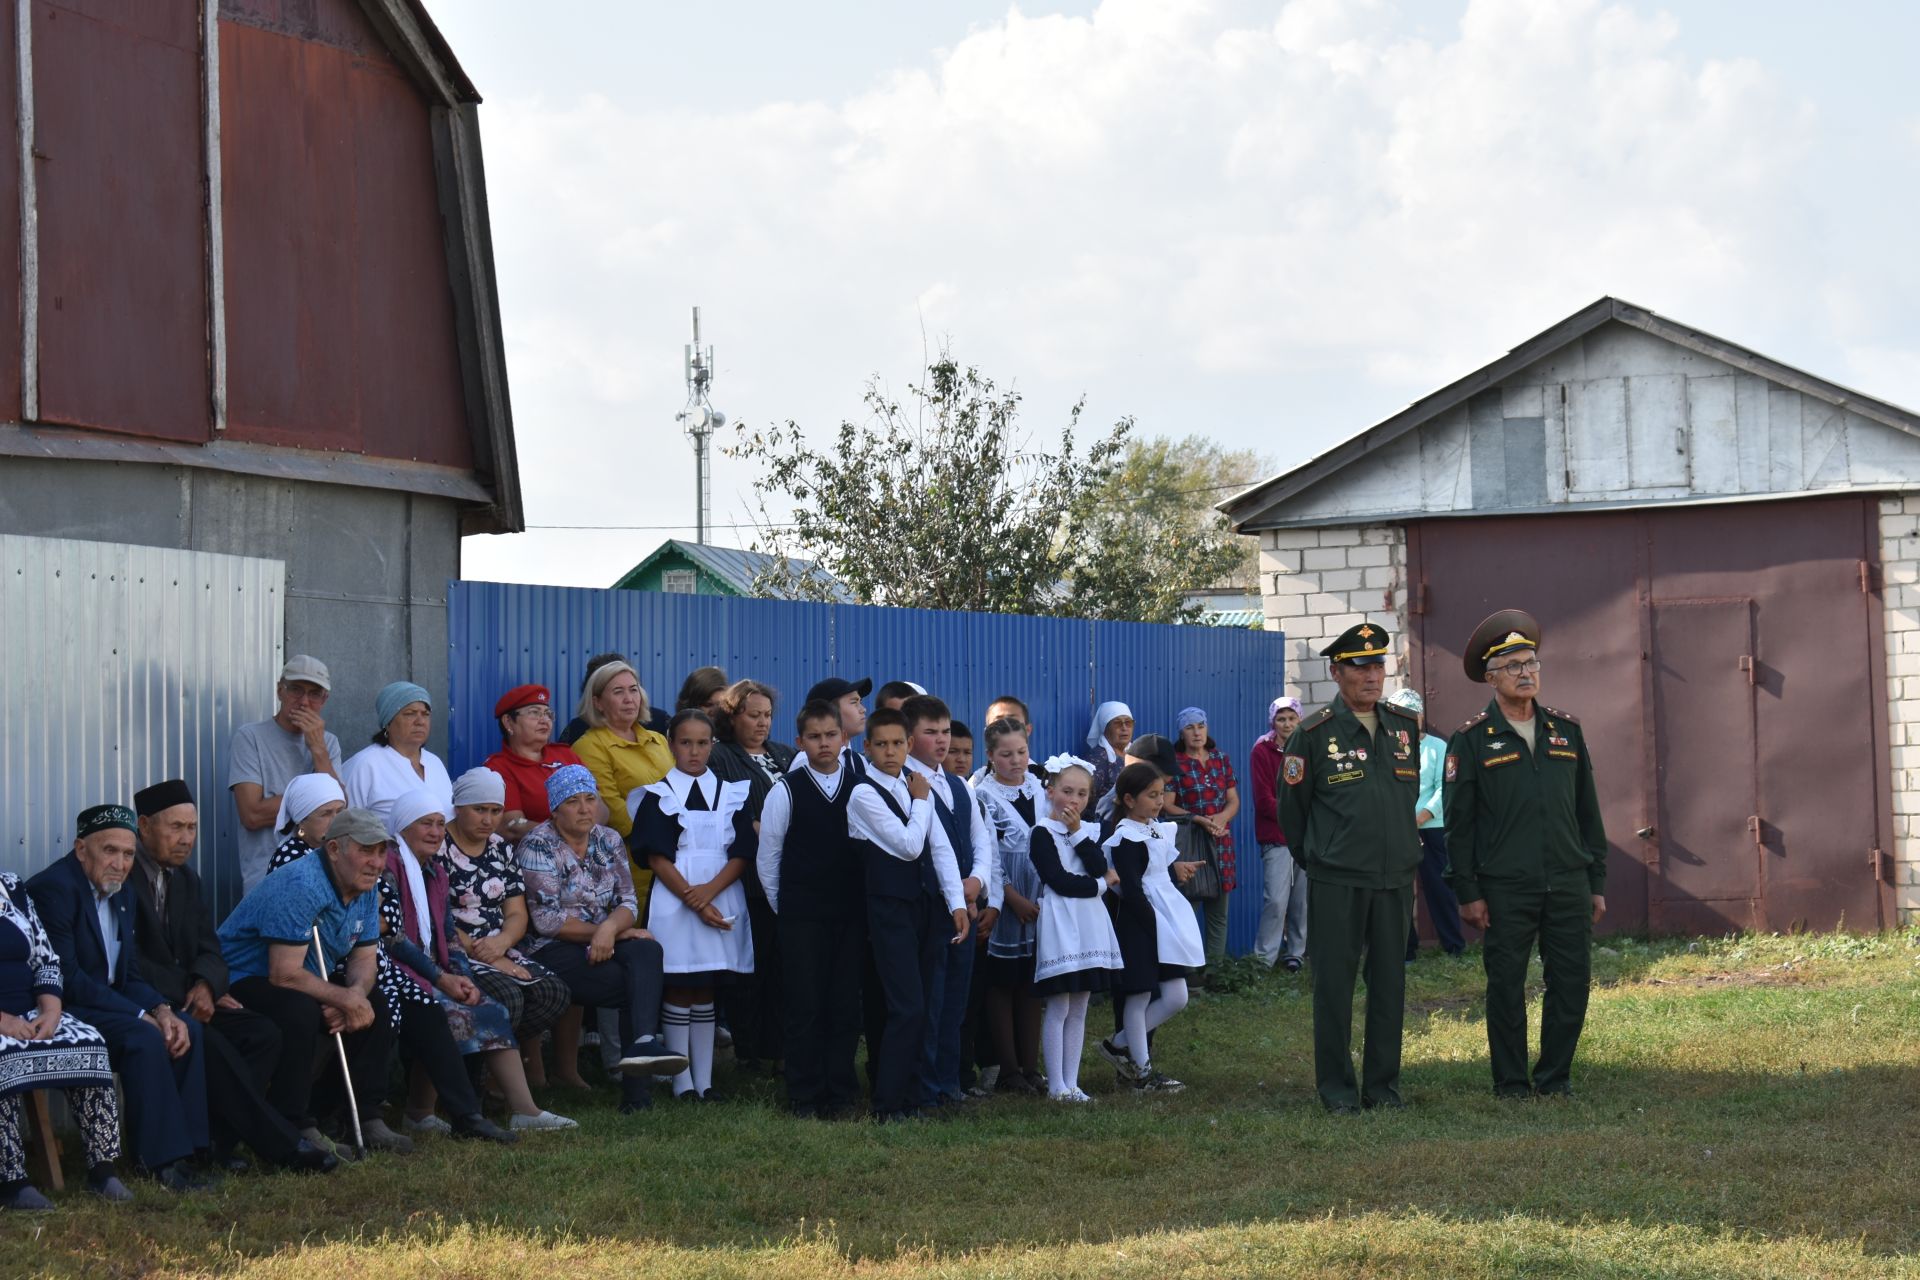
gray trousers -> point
(1283, 909)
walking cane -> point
(340, 1043)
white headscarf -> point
(479, 785)
(303, 795)
(1103, 715)
(408, 808)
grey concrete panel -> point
(1485, 435)
(1525, 444)
(93, 501)
(367, 646)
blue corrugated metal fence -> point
(501, 635)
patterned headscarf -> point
(1187, 716)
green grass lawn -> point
(1747, 1108)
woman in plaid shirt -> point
(1207, 789)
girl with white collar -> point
(1015, 801)
(696, 834)
(1159, 938)
(1076, 949)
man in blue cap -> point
(1348, 785)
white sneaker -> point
(428, 1124)
(545, 1120)
(1081, 1095)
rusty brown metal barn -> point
(251, 375)
(1722, 552)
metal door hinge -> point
(1869, 577)
(1754, 830)
(1416, 599)
(1747, 665)
(1878, 860)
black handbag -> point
(1196, 844)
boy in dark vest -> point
(970, 835)
(812, 874)
(913, 888)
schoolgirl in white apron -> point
(1076, 948)
(693, 830)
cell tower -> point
(701, 420)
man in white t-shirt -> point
(268, 754)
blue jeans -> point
(1283, 909)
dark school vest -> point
(888, 876)
(957, 818)
(820, 868)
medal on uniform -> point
(1360, 753)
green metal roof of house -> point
(737, 568)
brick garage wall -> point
(1900, 575)
(1315, 583)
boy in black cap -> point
(1529, 853)
(1347, 787)
(848, 698)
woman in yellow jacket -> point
(620, 751)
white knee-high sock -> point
(1171, 999)
(1134, 1013)
(700, 1046)
(1074, 1036)
(673, 1026)
(1053, 1022)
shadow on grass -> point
(1781, 1109)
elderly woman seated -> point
(417, 931)
(42, 1048)
(582, 904)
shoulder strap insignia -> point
(1318, 718)
(1398, 710)
(1559, 715)
(1472, 723)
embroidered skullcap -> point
(103, 817)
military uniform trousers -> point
(1347, 928)
(1557, 914)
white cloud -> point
(1190, 220)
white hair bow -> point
(1054, 764)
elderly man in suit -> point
(180, 958)
(88, 911)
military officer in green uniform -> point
(1347, 787)
(1529, 854)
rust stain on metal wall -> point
(123, 302)
(1720, 660)
(339, 310)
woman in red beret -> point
(528, 755)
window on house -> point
(678, 581)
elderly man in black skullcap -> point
(180, 958)
(88, 910)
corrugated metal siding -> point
(502, 635)
(127, 665)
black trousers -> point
(304, 1041)
(755, 1003)
(166, 1096)
(1442, 907)
(906, 944)
(823, 957)
(243, 1053)
(632, 982)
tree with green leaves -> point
(946, 502)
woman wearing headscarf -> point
(487, 900)
(417, 931)
(307, 809)
(622, 754)
(1207, 791)
(42, 1047)
(581, 899)
(397, 760)
(1282, 936)
(1107, 740)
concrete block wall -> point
(1900, 577)
(1315, 583)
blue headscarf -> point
(568, 781)
(390, 701)
(1189, 715)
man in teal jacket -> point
(1442, 907)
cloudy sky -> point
(1271, 223)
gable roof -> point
(1249, 503)
(737, 568)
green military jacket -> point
(1517, 817)
(1347, 799)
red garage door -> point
(1726, 664)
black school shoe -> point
(477, 1127)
